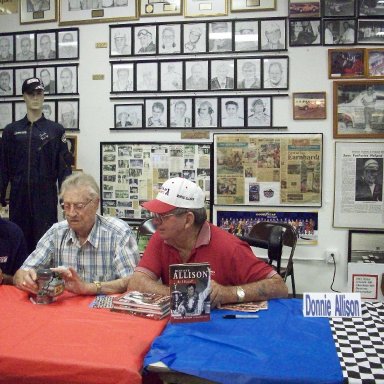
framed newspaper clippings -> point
(365, 246)
(282, 169)
(252, 5)
(202, 8)
(358, 201)
(369, 32)
(358, 109)
(132, 173)
(37, 11)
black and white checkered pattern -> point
(360, 344)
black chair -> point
(144, 232)
(273, 236)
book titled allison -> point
(190, 286)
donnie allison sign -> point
(332, 305)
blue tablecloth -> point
(281, 346)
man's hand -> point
(221, 294)
(73, 282)
(26, 280)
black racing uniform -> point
(35, 161)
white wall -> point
(308, 72)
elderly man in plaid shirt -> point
(95, 254)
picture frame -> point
(169, 39)
(156, 113)
(68, 114)
(232, 112)
(246, 35)
(339, 31)
(20, 75)
(68, 44)
(365, 246)
(7, 48)
(252, 5)
(365, 34)
(206, 112)
(25, 47)
(6, 113)
(194, 38)
(375, 63)
(222, 75)
(305, 32)
(205, 8)
(20, 110)
(273, 34)
(128, 116)
(155, 8)
(37, 11)
(67, 79)
(357, 111)
(6, 82)
(248, 73)
(335, 8)
(275, 72)
(123, 79)
(220, 36)
(259, 112)
(72, 148)
(309, 105)
(196, 75)
(48, 76)
(71, 15)
(346, 63)
(171, 76)
(46, 46)
(357, 164)
(301, 8)
(367, 9)
(181, 112)
(145, 39)
(288, 185)
(120, 41)
(49, 109)
(147, 76)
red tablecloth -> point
(68, 342)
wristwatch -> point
(240, 294)
(98, 287)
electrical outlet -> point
(331, 256)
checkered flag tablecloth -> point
(360, 344)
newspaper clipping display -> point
(359, 185)
(268, 170)
(132, 173)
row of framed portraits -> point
(61, 79)
(63, 111)
(216, 36)
(47, 45)
(246, 73)
(196, 112)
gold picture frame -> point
(41, 12)
(151, 8)
(252, 5)
(203, 8)
(72, 148)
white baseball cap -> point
(176, 193)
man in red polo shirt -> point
(184, 236)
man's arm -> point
(142, 282)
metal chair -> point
(144, 232)
(273, 236)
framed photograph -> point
(72, 148)
(49, 110)
(259, 111)
(122, 77)
(160, 8)
(194, 37)
(337, 8)
(169, 39)
(304, 32)
(89, 11)
(275, 72)
(37, 11)
(220, 36)
(48, 76)
(6, 114)
(206, 112)
(370, 8)
(25, 46)
(246, 36)
(128, 116)
(358, 109)
(273, 34)
(309, 105)
(248, 73)
(202, 8)
(365, 246)
(120, 41)
(68, 42)
(252, 5)
(156, 113)
(20, 110)
(46, 46)
(145, 39)
(346, 63)
(68, 114)
(171, 78)
(278, 179)
(370, 32)
(22, 74)
(196, 74)
(232, 112)
(358, 200)
(222, 74)
(147, 76)
(7, 48)
(375, 62)
(303, 8)
(239, 221)
(339, 31)
(67, 79)
(6, 82)
(180, 111)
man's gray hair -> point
(199, 213)
(80, 180)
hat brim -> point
(157, 206)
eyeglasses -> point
(160, 218)
(76, 206)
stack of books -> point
(149, 305)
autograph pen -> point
(240, 316)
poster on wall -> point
(132, 173)
(358, 201)
(268, 169)
(239, 221)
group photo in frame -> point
(346, 62)
(305, 32)
(204, 8)
(365, 246)
(375, 62)
(128, 116)
(68, 114)
(358, 109)
(367, 32)
(339, 31)
(160, 8)
(336, 8)
(358, 194)
(252, 5)
(309, 105)
(302, 8)
(37, 11)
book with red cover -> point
(190, 286)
